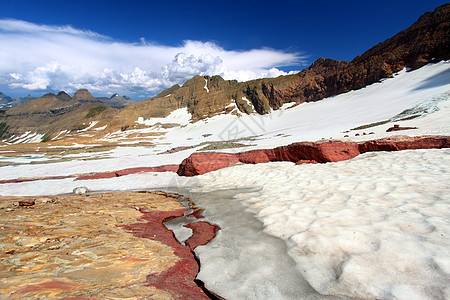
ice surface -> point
(375, 226)
(91, 124)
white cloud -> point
(42, 57)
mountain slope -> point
(52, 113)
(427, 40)
(8, 102)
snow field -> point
(375, 226)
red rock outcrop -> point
(83, 95)
(200, 163)
(180, 278)
(300, 153)
(202, 233)
(307, 152)
(123, 251)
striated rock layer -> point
(95, 246)
(307, 152)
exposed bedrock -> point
(307, 152)
(180, 279)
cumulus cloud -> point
(42, 57)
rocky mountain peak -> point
(83, 95)
(64, 96)
(197, 79)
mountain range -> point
(426, 41)
(8, 102)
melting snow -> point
(91, 124)
(27, 137)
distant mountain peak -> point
(64, 96)
(83, 95)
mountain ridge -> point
(425, 41)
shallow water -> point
(242, 262)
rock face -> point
(52, 113)
(398, 128)
(306, 152)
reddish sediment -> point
(197, 213)
(26, 179)
(99, 175)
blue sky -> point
(141, 47)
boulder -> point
(204, 162)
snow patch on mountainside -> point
(179, 116)
(27, 137)
(206, 85)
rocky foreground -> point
(97, 246)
